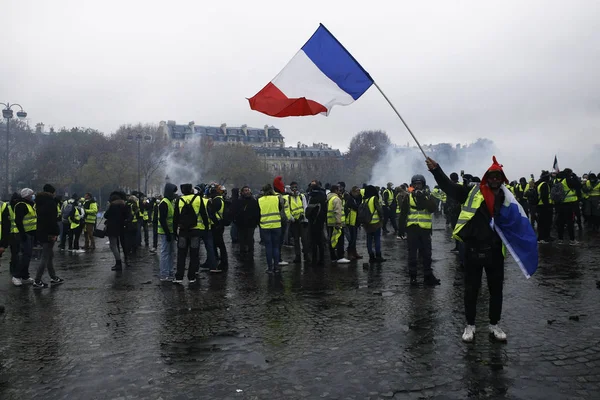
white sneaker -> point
(343, 261)
(498, 333)
(469, 333)
(574, 243)
(280, 263)
(17, 281)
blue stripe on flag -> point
(517, 234)
(337, 63)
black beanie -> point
(49, 188)
(186, 188)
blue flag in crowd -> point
(517, 234)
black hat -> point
(186, 188)
(49, 188)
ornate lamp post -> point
(7, 113)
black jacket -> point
(47, 216)
(5, 239)
(318, 196)
(246, 212)
(117, 216)
(477, 233)
(163, 208)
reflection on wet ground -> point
(354, 331)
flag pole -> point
(400, 116)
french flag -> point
(517, 234)
(321, 75)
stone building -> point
(267, 142)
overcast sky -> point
(522, 73)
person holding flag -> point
(490, 221)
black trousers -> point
(246, 239)
(155, 234)
(493, 263)
(564, 216)
(390, 215)
(336, 252)
(298, 230)
(15, 250)
(185, 244)
(544, 219)
(74, 236)
(418, 241)
(219, 242)
(145, 228)
(317, 241)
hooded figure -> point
(487, 188)
(278, 185)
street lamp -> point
(138, 138)
(7, 113)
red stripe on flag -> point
(271, 101)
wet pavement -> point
(338, 332)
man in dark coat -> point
(246, 218)
(47, 231)
(116, 218)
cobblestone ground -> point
(338, 332)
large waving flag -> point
(516, 233)
(321, 75)
(555, 165)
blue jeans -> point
(376, 235)
(272, 240)
(207, 238)
(167, 252)
(352, 234)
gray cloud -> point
(524, 74)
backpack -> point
(557, 193)
(364, 215)
(188, 218)
(312, 211)
(66, 212)
(227, 216)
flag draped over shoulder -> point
(321, 75)
(516, 233)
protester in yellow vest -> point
(279, 188)
(592, 205)
(335, 225)
(483, 246)
(91, 211)
(566, 209)
(351, 203)
(166, 231)
(417, 209)
(373, 228)
(298, 224)
(26, 223)
(271, 206)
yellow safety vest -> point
(421, 218)
(196, 205)
(595, 191)
(351, 217)
(270, 217)
(390, 196)
(539, 190)
(296, 206)
(331, 221)
(2, 207)
(571, 196)
(286, 205)
(145, 215)
(219, 213)
(468, 209)
(373, 211)
(13, 224)
(91, 213)
(170, 213)
(76, 219)
(30, 219)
